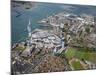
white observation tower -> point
(29, 33)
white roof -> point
(79, 18)
(34, 36)
(51, 37)
(53, 24)
(62, 25)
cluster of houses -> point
(39, 39)
(54, 40)
(76, 25)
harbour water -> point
(38, 12)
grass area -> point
(20, 48)
(81, 54)
(77, 65)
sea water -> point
(39, 12)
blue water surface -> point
(40, 11)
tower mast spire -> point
(29, 32)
